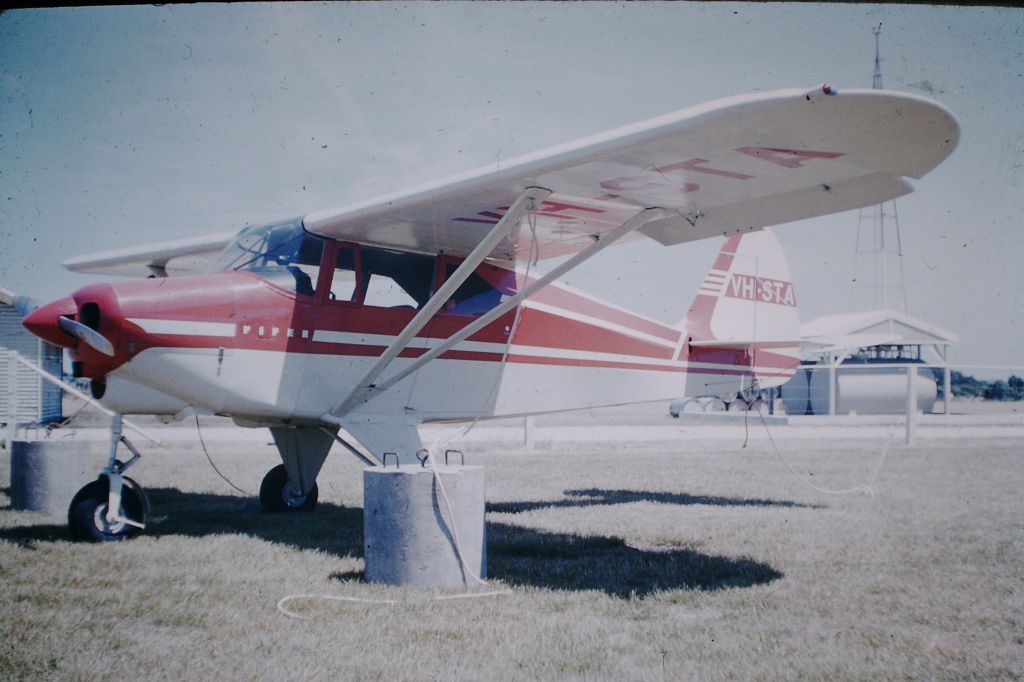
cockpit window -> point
(393, 279)
(282, 253)
(484, 289)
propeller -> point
(87, 335)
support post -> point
(911, 404)
(947, 382)
(947, 389)
(12, 397)
(831, 385)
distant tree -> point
(965, 385)
(996, 390)
(1016, 388)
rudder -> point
(743, 327)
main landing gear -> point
(113, 507)
(291, 486)
(278, 494)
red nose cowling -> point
(43, 322)
(96, 307)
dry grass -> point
(702, 560)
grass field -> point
(696, 559)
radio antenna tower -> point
(879, 282)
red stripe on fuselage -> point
(547, 330)
(581, 305)
(267, 318)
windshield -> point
(283, 253)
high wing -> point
(183, 256)
(733, 165)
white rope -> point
(532, 258)
(867, 489)
(209, 459)
(378, 602)
(466, 570)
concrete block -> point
(45, 475)
(408, 539)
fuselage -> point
(285, 336)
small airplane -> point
(359, 324)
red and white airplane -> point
(359, 324)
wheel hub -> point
(99, 519)
(292, 495)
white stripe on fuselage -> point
(380, 340)
(225, 329)
(184, 327)
(356, 338)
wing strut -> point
(529, 200)
(601, 242)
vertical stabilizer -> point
(743, 326)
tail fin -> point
(744, 321)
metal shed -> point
(870, 379)
(24, 395)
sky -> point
(122, 126)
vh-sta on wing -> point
(728, 166)
(732, 165)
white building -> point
(24, 395)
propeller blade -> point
(87, 335)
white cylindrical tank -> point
(871, 390)
(795, 393)
(408, 532)
(817, 389)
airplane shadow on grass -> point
(517, 555)
(591, 497)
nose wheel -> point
(278, 494)
(113, 507)
(88, 517)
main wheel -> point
(278, 494)
(87, 514)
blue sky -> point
(127, 125)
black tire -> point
(87, 512)
(277, 495)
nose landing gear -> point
(89, 518)
(113, 507)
